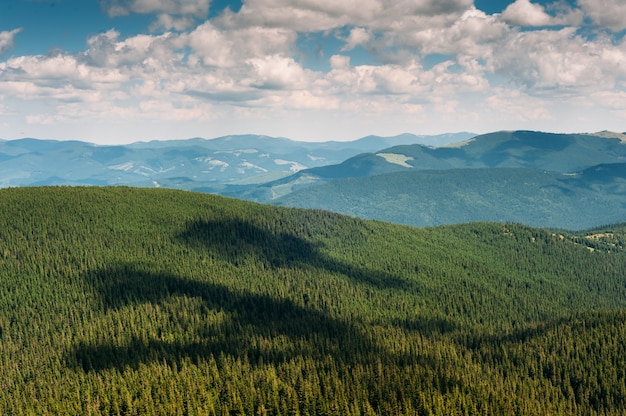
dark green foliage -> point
(129, 301)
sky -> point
(121, 71)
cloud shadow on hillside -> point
(251, 316)
(236, 240)
(304, 325)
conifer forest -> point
(128, 301)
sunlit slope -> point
(134, 301)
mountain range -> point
(192, 164)
(571, 181)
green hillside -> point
(128, 301)
(425, 198)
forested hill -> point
(135, 301)
(432, 197)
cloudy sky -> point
(118, 71)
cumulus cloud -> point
(525, 13)
(405, 83)
(606, 13)
(472, 33)
(323, 15)
(560, 62)
(358, 36)
(303, 15)
(108, 50)
(199, 8)
(59, 70)
(428, 7)
(278, 72)
(168, 22)
(429, 60)
(7, 39)
(227, 48)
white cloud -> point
(472, 34)
(231, 47)
(358, 36)
(199, 8)
(62, 94)
(303, 15)
(525, 13)
(400, 83)
(278, 72)
(606, 13)
(7, 39)
(339, 62)
(324, 15)
(107, 50)
(59, 71)
(212, 46)
(426, 7)
(243, 69)
(560, 62)
(168, 22)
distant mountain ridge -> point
(563, 153)
(572, 181)
(541, 179)
(193, 164)
(514, 149)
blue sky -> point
(118, 71)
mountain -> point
(592, 197)
(186, 164)
(153, 301)
(528, 149)
(505, 149)
(539, 179)
(366, 177)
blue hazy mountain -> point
(505, 149)
(572, 181)
(188, 164)
(542, 179)
(564, 153)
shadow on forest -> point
(236, 240)
(254, 321)
(252, 317)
